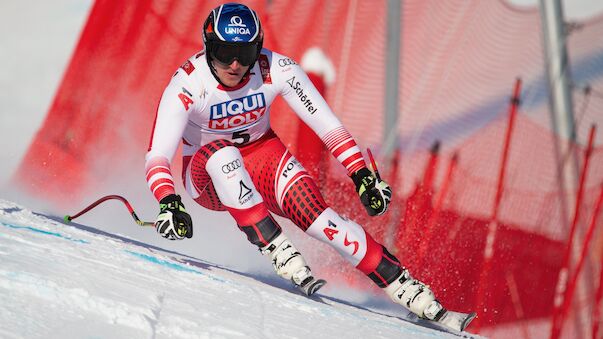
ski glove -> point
(375, 194)
(173, 222)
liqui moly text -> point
(238, 112)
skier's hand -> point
(173, 222)
(375, 194)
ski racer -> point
(218, 104)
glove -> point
(173, 222)
(375, 194)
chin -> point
(232, 82)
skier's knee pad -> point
(227, 172)
(356, 246)
(346, 236)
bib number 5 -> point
(243, 135)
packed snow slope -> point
(75, 281)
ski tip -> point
(314, 286)
(67, 219)
(456, 321)
(468, 320)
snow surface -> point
(75, 281)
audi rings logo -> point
(286, 62)
(231, 166)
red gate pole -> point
(597, 305)
(571, 287)
(493, 226)
(560, 289)
(418, 206)
(431, 168)
(437, 208)
(393, 218)
(424, 198)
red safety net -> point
(459, 62)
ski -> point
(456, 320)
(311, 285)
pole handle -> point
(373, 163)
(69, 218)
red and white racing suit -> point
(233, 161)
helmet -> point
(233, 32)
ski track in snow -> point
(68, 281)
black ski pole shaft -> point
(68, 218)
(373, 163)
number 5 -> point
(241, 135)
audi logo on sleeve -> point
(231, 166)
(286, 62)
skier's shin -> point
(356, 246)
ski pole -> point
(373, 163)
(68, 218)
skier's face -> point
(230, 75)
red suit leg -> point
(215, 176)
(290, 191)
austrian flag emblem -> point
(188, 67)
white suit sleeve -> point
(172, 116)
(309, 105)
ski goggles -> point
(226, 54)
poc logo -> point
(236, 26)
(237, 112)
(291, 165)
(286, 62)
(231, 166)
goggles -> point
(227, 53)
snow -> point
(76, 281)
(117, 280)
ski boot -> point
(420, 300)
(289, 264)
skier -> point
(218, 104)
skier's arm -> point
(305, 100)
(169, 125)
(310, 106)
(172, 115)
